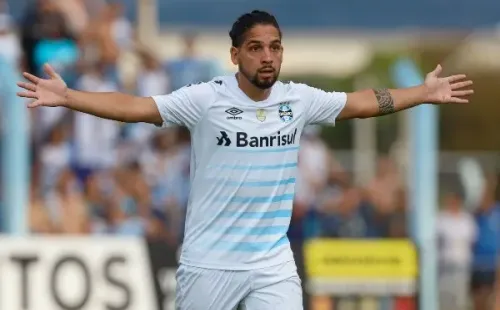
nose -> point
(266, 56)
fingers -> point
(454, 78)
(438, 70)
(461, 93)
(31, 95)
(458, 100)
(30, 77)
(50, 71)
(461, 84)
(28, 94)
(30, 90)
(457, 95)
(35, 104)
(435, 72)
(27, 86)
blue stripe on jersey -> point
(255, 167)
(264, 150)
(257, 183)
(255, 231)
(252, 200)
(250, 246)
(257, 215)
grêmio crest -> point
(285, 112)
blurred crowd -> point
(94, 176)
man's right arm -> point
(183, 107)
(115, 106)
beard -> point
(260, 83)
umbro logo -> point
(223, 139)
(234, 112)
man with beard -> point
(245, 132)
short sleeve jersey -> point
(243, 167)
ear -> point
(234, 55)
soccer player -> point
(245, 132)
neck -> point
(250, 90)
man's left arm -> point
(434, 90)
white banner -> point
(40, 273)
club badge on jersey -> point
(285, 112)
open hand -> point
(45, 92)
(451, 89)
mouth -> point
(267, 72)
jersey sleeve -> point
(321, 107)
(185, 106)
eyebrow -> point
(260, 42)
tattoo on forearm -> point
(385, 101)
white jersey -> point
(243, 168)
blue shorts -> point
(276, 287)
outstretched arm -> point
(435, 90)
(116, 106)
(53, 92)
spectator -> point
(314, 162)
(104, 41)
(115, 204)
(135, 184)
(486, 249)
(163, 166)
(456, 233)
(95, 139)
(151, 80)
(398, 227)
(45, 36)
(158, 229)
(95, 189)
(67, 206)
(383, 195)
(75, 14)
(190, 68)
(122, 31)
(39, 218)
(129, 208)
(342, 215)
(55, 156)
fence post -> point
(423, 183)
(15, 153)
